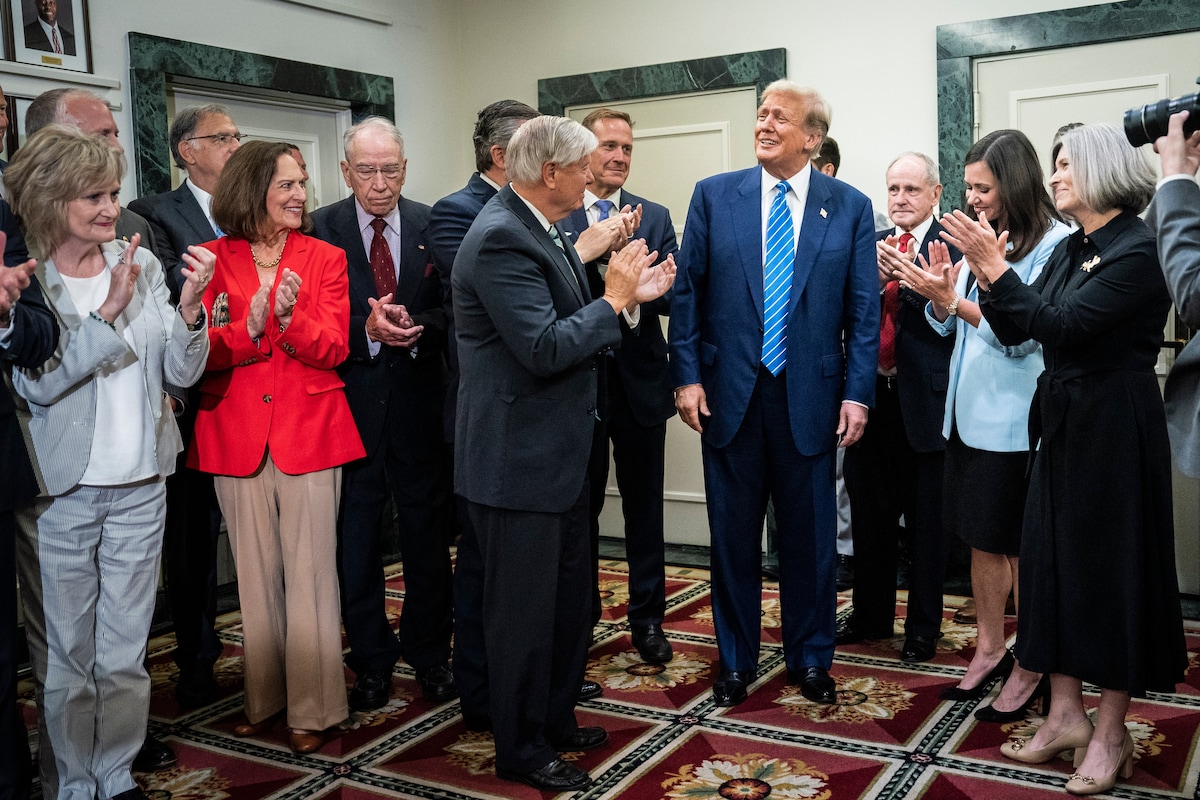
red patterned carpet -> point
(888, 737)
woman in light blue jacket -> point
(987, 403)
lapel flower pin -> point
(1090, 264)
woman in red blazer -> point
(275, 428)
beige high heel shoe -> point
(1076, 740)
(1083, 784)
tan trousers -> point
(283, 530)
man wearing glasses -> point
(394, 382)
(202, 139)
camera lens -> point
(1144, 125)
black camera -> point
(1144, 125)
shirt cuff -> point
(634, 319)
(856, 403)
(1178, 176)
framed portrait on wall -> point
(49, 33)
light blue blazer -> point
(61, 394)
(991, 385)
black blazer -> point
(32, 341)
(177, 222)
(922, 361)
(36, 39)
(642, 356)
(395, 375)
(529, 334)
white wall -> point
(876, 67)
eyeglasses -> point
(388, 170)
(220, 138)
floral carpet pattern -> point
(889, 735)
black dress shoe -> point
(590, 690)
(580, 739)
(918, 649)
(557, 776)
(154, 756)
(849, 632)
(652, 644)
(845, 573)
(135, 793)
(371, 690)
(1001, 670)
(1041, 692)
(730, 687)
(815, 684)
(196, 687)
(437, 683)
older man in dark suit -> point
(202, 140)
(395, 380)
(896, 468)
(28, 336)
(774, 332)
(529, 333)
(635, 393)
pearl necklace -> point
(278, 258)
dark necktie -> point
(382, 266)
(891, 306)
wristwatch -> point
(952, 309)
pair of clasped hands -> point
(632, 277)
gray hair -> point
(545, 140)
(50, 108)
(1106, 171)
(495, 127)
(381, 124)
(817, 113)
(186, 122)
(932, 174)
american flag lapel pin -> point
(824, 213)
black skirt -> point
(984, 497)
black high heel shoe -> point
(1002, 669)
(1040, 692)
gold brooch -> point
(1090, 264)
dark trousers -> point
(190, 541)
(535, 621)
(470, 656)
(639, 453)
(762, 459)
(407, 463)
(886, 478)
(16, 769)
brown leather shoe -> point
(249, 728)
(305, 741)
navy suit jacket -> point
(32, 341)
(716, 325)
(642, 357)
(177, 222)
(394, 376)
(922, 361)
(529, 334)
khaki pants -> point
(283, 530)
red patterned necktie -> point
(891, 306)
(382, 266)
(54, 40)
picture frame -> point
(31, 39)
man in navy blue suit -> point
(635, 394)
(773, 395)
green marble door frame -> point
(959, 44)
(757, 68)
(155, 60)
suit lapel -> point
(812, 235)
(573, 273)
(413, 259)
(349, 238)
(189, 210)
(747, 226)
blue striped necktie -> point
(777, 281)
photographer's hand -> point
(1179, 155)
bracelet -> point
(99, 318)
(952, 309)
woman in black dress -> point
(1100, 600)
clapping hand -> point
(13, 281)
(391, 324)
(286, 296)
(122, 282)
(201, 263)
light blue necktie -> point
(777, 281)
(606, 207)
